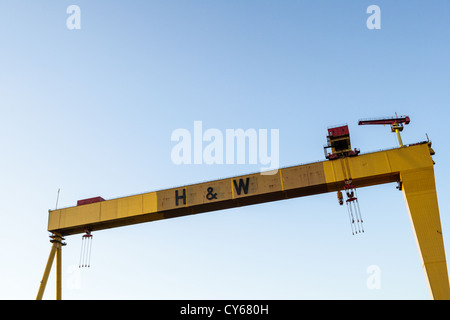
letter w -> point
(241, 186)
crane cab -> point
(338, 140)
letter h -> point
(177, 197)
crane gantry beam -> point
(411, 166)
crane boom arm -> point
(389, 121)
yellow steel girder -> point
(411, 165)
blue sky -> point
(91, 111)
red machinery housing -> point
(339, 141)
(89, 201)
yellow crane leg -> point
(48, 267)
(59, 272)
(419, 190)
(55, 250)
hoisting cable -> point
(353, 208)
(86, 249)
(350, 198)
(356, 215)
(359, 212)
(90, 251)
(350, 216)
(350, 205)
(81, 252)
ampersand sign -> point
(210, 194)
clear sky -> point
(92, 110)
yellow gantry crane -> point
(411, 166)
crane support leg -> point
(48, 267)
(55, 250)
(419, 190)
(59, 272)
